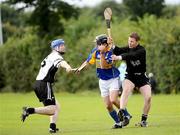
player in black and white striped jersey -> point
(43, 84)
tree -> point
(140, 7)
(13, 21)
(48, 15)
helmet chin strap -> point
(62, 53)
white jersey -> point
(49, 67)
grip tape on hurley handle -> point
(108, 23)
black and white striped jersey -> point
(49, 67)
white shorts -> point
(106, 86)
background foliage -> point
(24, 47)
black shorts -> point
(138, 80)
(44, 92)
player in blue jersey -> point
(108, 76)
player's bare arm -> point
(83, 65)
(65, 65)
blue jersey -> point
(104, 66)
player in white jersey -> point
(43, 84)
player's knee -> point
(50, 109)
(53, 108)
(113, 101)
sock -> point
(114, 115)
(53, 126)
(31, 110)
(144, 117)
(125, 112)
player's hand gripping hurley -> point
(107, 16)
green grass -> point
(84, 114)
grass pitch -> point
(85, 114)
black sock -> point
(144, 117)
(30, 110)
(53, 126)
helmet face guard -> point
(101, 39)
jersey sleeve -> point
(140, 53)
(91, 57)
(58, 60)
(119, 50)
